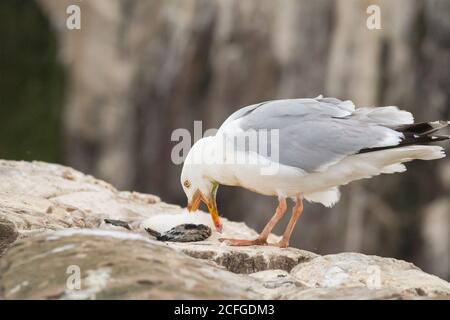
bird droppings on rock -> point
(187, 232)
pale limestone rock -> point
(52, 218)
(392, 277)
(113, 265)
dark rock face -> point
(8, 234)
(248, 260)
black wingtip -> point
(410, 139)
(422, 128)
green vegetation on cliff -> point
(31, 84)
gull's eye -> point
(187, 183)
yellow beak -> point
(195, 202)
(210, 203)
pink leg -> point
(262, 239)
(296, 213)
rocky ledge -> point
(55, 244)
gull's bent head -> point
(197, 186)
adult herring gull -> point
(316, 145)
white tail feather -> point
(394, 168)
(362, 166)
(327, 197)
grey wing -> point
(299, 107)
(313, 133)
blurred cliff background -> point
(105, 99)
